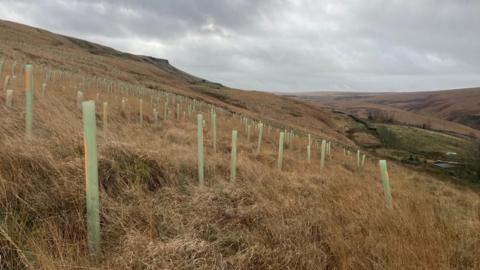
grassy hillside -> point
(77, 56)
(454, 111)
(421, 141)
(155, 215)
(461, 105)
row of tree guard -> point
(90, 130)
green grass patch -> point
(421, 141)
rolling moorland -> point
(423, 125)
(154, 214)
(455, 111)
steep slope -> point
(71, 54)
(154, 214)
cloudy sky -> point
(283, 45)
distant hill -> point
(455, 111)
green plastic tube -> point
(200, 149)
(105, 116)
(213, 121)
(91, 178)
(322, 154)
(28, 100)
(280, 150)
(386, 183)
(260, 134)
(233, 157)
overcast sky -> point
(283, 45)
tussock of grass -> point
(122, 168)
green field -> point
(421, 141)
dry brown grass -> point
(155, 216)
(62, 53)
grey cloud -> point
(284, 45)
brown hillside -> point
(154, 214)
(456, 111)
(71, 54)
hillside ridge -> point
(120, 164)
(456, 110)
(162, 76)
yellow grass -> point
(155, 216)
